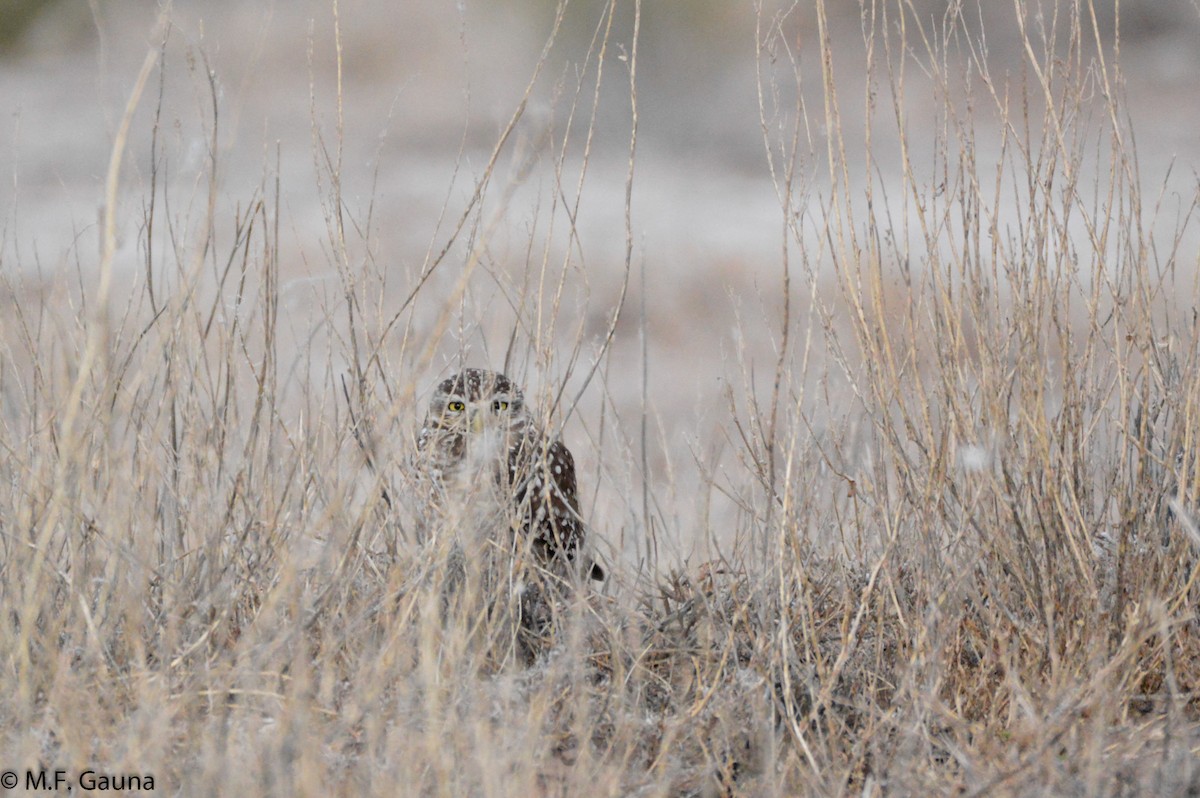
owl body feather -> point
(489, 460)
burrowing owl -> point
(483, 451)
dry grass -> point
(958, 553)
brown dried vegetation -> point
(958, 552)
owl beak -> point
(476, 420)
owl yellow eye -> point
(456, 407)
(499, 405)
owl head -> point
(475, 400)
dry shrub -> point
(964, 550)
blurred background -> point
(423, 79)
(428, 87)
